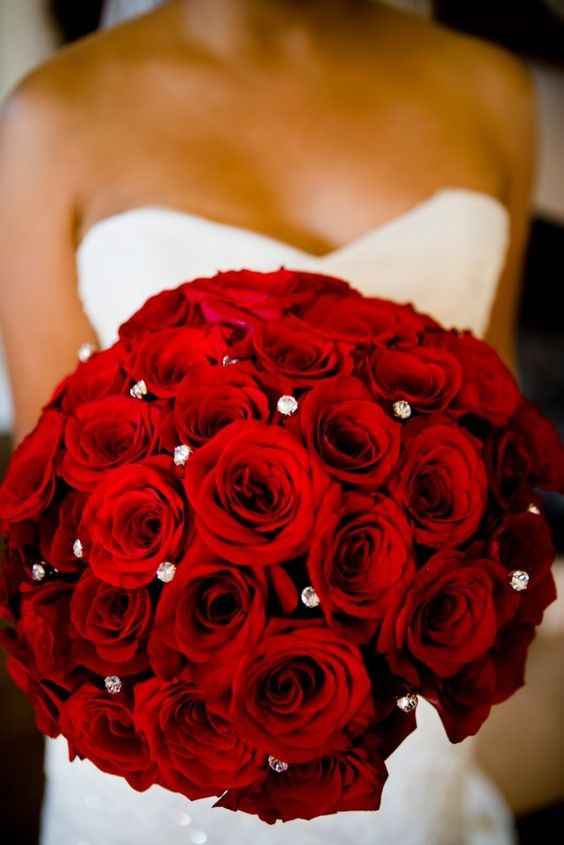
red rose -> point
(135, 519)
(523, 541)
(164, 310)
(427, 378)
(488, 388)
(210, 399)
(162, 359)
(211, 614)
(464, 701)
(447, 616)
(366, 320)
(302, 693)
(102, 375)
(349, 780)
(100, 727)
(255, 492)
(111, 626)
(268, 295)
(197, 752)
(58, 529)
(104, 434)
(29, 483)
(292, 350)
(44, 625)
(363, 548)
(46, 694)
(441, 482)
(356, 441)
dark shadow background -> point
(533, 29)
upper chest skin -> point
(313, 162)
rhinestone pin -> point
(402, 409)
(278, 766)
(287, 405)
(112, 684)
(228, 361)
(85, 352)
(181, 454)
(77, 548)
(519, 580)
(38, 572)
(534, 509)
(310, 597)
(166, 572)
(407, 702)
(139, 389)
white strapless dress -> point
(445, 256)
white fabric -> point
(445, 256)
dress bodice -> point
(445, 256)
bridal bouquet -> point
(241, 542)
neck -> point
(270, 28)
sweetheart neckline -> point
(177, 213)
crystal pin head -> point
(139, 389)
(166, 572)
(38, 572)
(77, 548)
(181, 454)
(402, 409)
(278, 766)
(407, 702)
(112, 684)
(228, 361)
(534, 509)
(519, 580)
(85, 352)
(287, 405)
(310, 597)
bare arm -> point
(41, 318)
(512, 106)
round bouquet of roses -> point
(243, 540)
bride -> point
(337, 135)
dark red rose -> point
(464, 701)
(104, 434)
(100, 727)
(162, 359)
(111, 626)
(136, 519)
(197, 752)
(488, 390)
(363, 548)
(427, 378)
(349, 780)
(447, 616)
(441, 482)
(211, 614)
(302, 693)
(17, 556)
(366, 320)
(164, 310)
(255, 492)
(58, 529)
(44, 626)
(355, 439)
(29, 483)
(102, 375)
(528, 453)
(292, 350)
(210, 399)
(523, 541)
